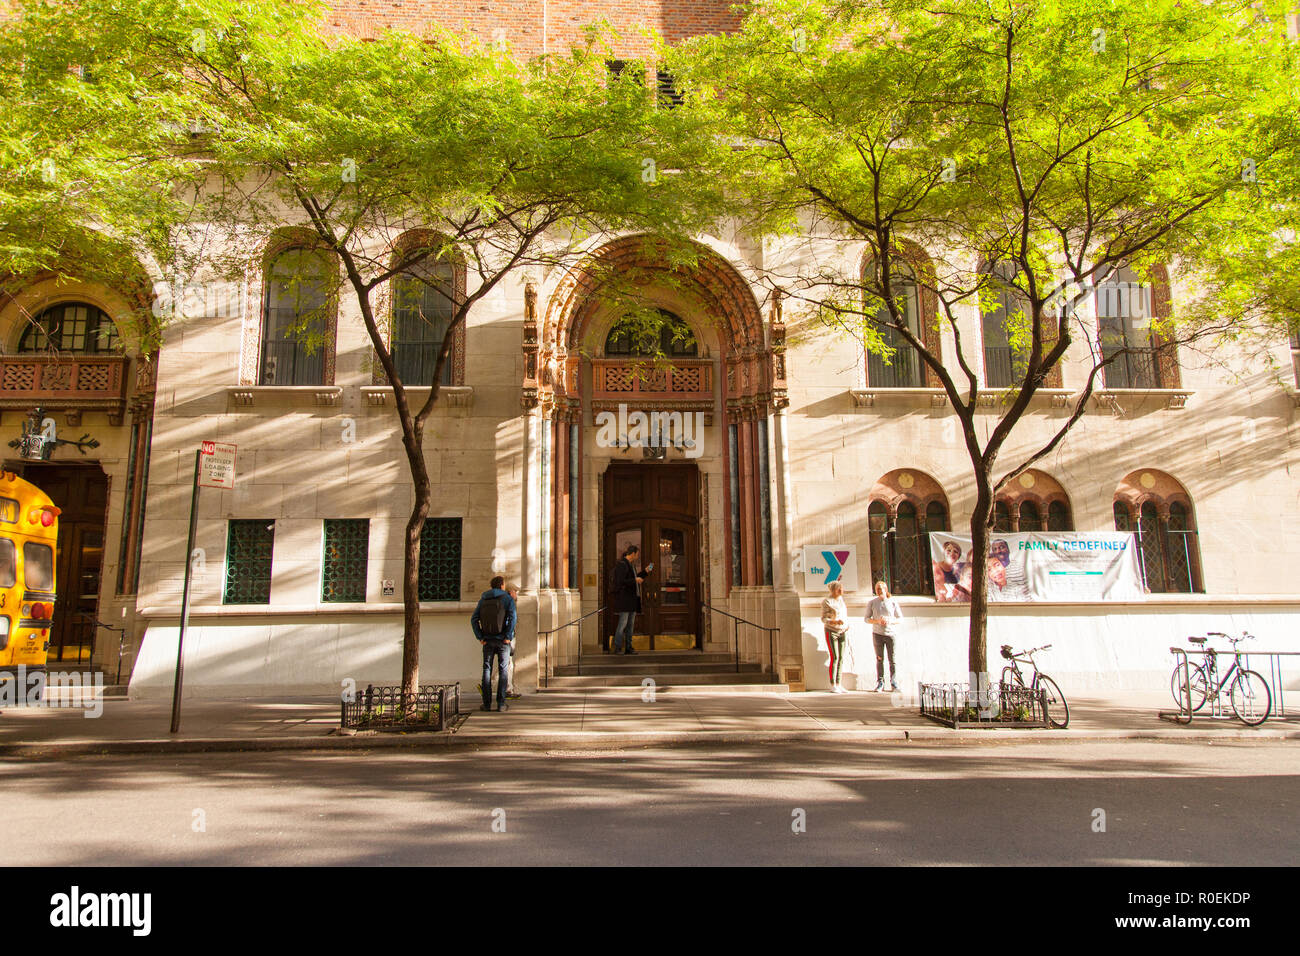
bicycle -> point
(1057, 706)
(1248, 692)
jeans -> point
(624, 629)
(835, 644)
(884, 643)
(495, 649)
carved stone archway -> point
(751, 373)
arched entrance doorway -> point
(700, 500)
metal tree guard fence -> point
(431, 707)
(1002, 705)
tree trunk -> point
(411, 559)
(979, 586)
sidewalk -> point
(601, 719)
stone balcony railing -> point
(69, 383)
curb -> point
(596, 740)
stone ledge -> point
(1060, 396)
(247, 396)
(1172, 398)
(867, 397)
(453, 396)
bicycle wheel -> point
(1196, 677)
(1251, 700)
(1010, 678)
(1058, 711)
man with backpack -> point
(493, 622)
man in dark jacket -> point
(493, 621)
(624, 599)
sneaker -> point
(487, 707)
(838, 689)
(513, 695)
(880, 685)
(504, 707)
(629, 651)
(893, 686)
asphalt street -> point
(826, 803)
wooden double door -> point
(655, 506)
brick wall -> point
(524, 26)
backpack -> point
(492, 616)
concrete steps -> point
(668, 669)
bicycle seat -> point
(1197, 640)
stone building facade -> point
(780, 433)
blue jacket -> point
(510, 614)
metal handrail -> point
(546, 646)
(771, 650)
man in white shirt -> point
(883, 614)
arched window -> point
(899, 532)
(296, 317)
(423, 307)
(670, 336)
(1030, 519)
(878, 531)
(1166, 532)
(70, 327)
(903, 368)
(1022, 504)
(1005, 320)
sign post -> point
(214, 467)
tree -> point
(1035, 150)
(395, 157)
(93, 143)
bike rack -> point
(1276, 688)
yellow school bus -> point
(29, 532)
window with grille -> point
(1124, 313)
(248, 561)
(900, 555)
(423, 308)
(902, 368)
(1004, 319)
(295, 317)
(347, 554)
(440, 559)
(1167, 547)
(70, 327)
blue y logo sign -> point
(835, 562)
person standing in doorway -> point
(883, 614)
(835, 620)
(625, 597)
(493, 622)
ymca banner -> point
(1041, 566)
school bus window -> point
(38, 567)
(4, 632)
(8, 510)
(8, 563)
